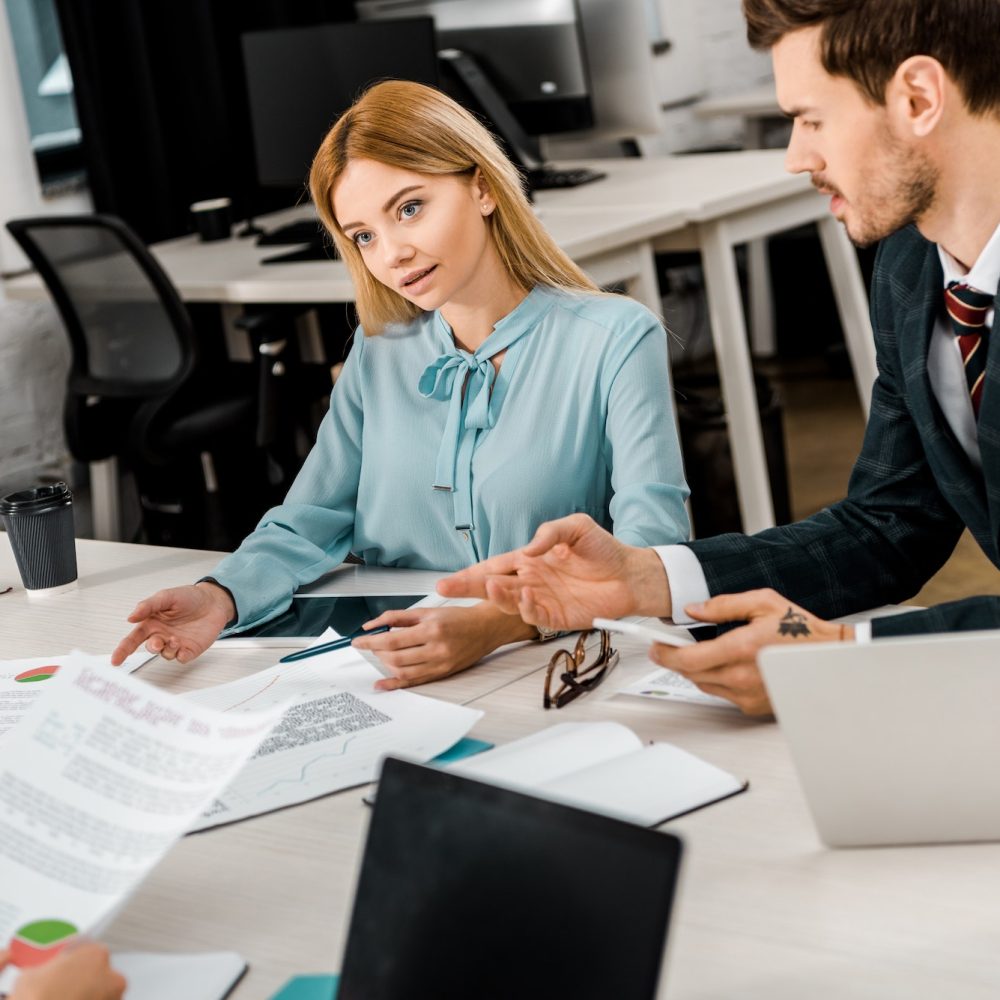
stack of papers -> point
(332, 736)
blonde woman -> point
(490, 387)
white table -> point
(710, 203)
(764, 911)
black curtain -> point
(162, 104)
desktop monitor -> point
(578, 66)
(300, 80)
(531, 51)
(470, 890)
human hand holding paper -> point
(81, 972)
(98, 779)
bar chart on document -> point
(335, 730)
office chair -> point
(136, 389)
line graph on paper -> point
(334, 731)
(301, 778)
(251, 697)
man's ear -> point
(916, 96)
(483, 194)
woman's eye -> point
(363, 238)
(410, 209)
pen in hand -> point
(327, 647)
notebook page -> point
(645, 787)
(550, 754)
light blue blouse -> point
(430, 460)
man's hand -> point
(571, 572)
(426, 644)
(180, 623)
(727, 666)
(80, 972)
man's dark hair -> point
(867, 40)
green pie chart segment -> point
(39, 941)
(36, 674)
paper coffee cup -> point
(213, 218)
(39, 523)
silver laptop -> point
(896, 741)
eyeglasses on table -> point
(573, 673)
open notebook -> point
(604, 767)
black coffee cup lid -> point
(37, 500)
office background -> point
(707, 57)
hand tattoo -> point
(793, 624)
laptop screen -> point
(467, 890)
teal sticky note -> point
(465, 747)
(309, 988)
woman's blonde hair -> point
(407, 125)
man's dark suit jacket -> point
(912, 490)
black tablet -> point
(310, 617)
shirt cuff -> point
(686, 579)
(863, 632)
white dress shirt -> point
(946, 372)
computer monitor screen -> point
(469, 890)
(300, 80)
(532, 51)
(620, 64)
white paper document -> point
(98, 779)
(604, 767)
(206, 976)
(333, 735)
(22, 681)
(668, 685)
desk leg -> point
(852, 304)
(761, 303)
(104, 500)
(729, 335)
(644, 287)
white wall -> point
(711, 34)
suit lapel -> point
(955, 474)
(989, 426)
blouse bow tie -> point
(465, 381)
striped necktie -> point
(967, 308)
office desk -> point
(710, 203)
(764, 911)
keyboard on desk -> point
(547, 178)
(303, 231)
(318, 249)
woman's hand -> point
(180, 623)
(81, 972)
(426, 644)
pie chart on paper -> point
(37, 942)
(36, 674)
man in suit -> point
(896, 112)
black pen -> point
(326, 647)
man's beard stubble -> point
(896, 200)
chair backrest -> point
(130, 333)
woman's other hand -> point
(179, 623)
(426, 644)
